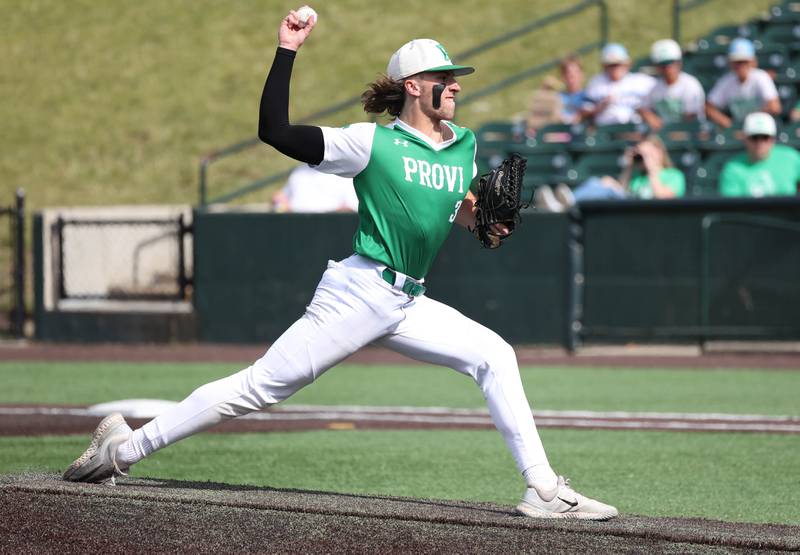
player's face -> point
(742, 68)
(447, 107)
(758, 146)
(615, 72)
(670, 72)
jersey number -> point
(455, 212)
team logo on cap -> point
(444, 52)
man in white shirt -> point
(309, 190)
(615, 95)
(743, 90)
(676, 96)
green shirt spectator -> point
(765, 169)
(672, 178)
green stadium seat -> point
(784, 13)
(686, 160)
(679, 135)
(787, 34)
(598, 164)
(545, 167)
(558, 134)
(711, 140)
(706, 177)
(493, 140)
(788, 95)
(722, 36)
(607, 138)
(790, 135)
(772, 57)
(709, 62)
(497, 132)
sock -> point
(542, 476)
(135, 449)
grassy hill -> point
(115, 102)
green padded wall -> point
(643, 270)
(255, 273)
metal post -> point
(203, 177)
(19, 270)
(676, 20)
(575, 288)
(603, 22)
(62, 290)
(182, 280)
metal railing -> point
(678, 8)
(506, 37)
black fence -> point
(122, 259)
(12, 258)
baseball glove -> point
(499, 200)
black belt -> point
(410, 287)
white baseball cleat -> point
(563, 502)
(97, 464)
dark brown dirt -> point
(39, 513)
(528, 356)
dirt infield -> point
(141, 515)
(31, 420)
(618, 357)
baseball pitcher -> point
(412, 179)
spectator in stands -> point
(765, 169)
(676, 96)
(743, 90)
(615, 95)
(573, 96)
(309, 190)
(647, 173)
(558, 100)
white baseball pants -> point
(353, 307)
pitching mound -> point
(40, 513)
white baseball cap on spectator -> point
(421, 55)
(665, 51)
(614, 53)
(759, 123)
(741, 50)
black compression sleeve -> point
(301, 142)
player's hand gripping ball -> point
(305, 15)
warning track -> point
(41, 420)
(142, 515)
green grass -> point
(733, 391)
(116, 102)
(735, 477)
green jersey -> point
(670, 177)
(777, 174)
(409, 188)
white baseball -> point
(304, 14)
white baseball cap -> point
(665, 51)
(759, 123)
(421, 55)
(614, 53)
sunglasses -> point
(759, 138)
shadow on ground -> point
(39, 513)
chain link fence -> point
(122, 259)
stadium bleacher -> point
(562, 153)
